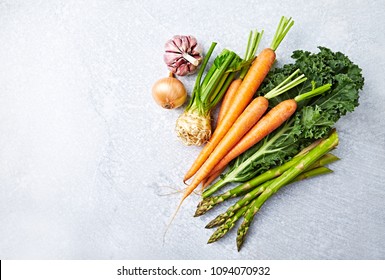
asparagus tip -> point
(239, 246)
(199, 212)
(209, 225)
(240, 240)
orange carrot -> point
(284, 86)
(243, 124)
(271, 121)
(253, 79)
(251, 82)
(228, 99)
(252, 46)
(290, 82)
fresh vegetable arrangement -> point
(275, 126)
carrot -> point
(243, 124)
(251, 82)
(252, 45)
(270, 122)
(228, 98)
(246, 90)
(284, 86)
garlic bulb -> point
(182, 55)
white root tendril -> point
(193, 129)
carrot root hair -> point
(172, 218)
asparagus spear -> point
(325, 146)
(220, 219)
(209, 202)
(229, 223)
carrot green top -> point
(283, 27)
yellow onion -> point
(169, 92)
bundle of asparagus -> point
(308, 163)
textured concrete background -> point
(86, 156)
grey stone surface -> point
(86, 156)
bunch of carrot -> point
(241, 124)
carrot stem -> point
(286, 85)
(252, 46)
(283, 28)
(248, 47)
(279, 114)
(312, 93)
(253, 79)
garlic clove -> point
(182, 70)
(170, 46)
(171, 57)
(185, 44)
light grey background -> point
(86, 156)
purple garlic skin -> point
(182, 55)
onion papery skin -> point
(169, 93)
